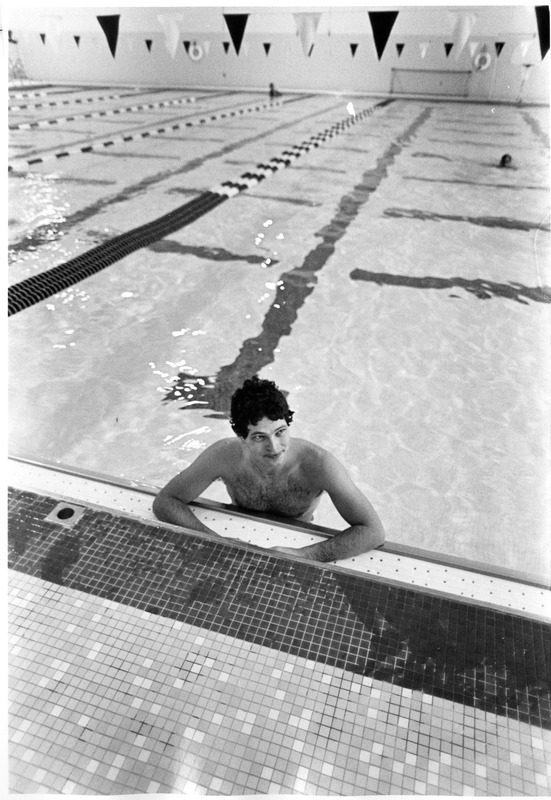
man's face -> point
(267, 442)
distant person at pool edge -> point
(265, 470)
(273, 91)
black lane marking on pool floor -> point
(207, 253)
(485, 222)
(536, 128)
(45, 284)
(516, 188)
(46, 233)
(478, 657)
(214, 392)
(482, 289)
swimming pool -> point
(391, 280)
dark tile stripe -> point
(468, 654)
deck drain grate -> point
(65, 514)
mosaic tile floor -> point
(145, 659)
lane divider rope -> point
(248, 179)
(20, 164)
(38, 287)
(44, 123)
(53, 103)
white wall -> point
(331, 66)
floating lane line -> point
(38, 287)
(21, 164)
(72, 101)
(249, 179)
(44, 123)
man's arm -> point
(171, 504)
(365, 530)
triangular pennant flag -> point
(267, 46)
(53, 32)
(499, 47)
(424, 46)
(542, 17)
(462, 31)
(353, 47)
(307, 24)
(43, 37)
(148, 43)
(399, 48)
(226, 46)
(171, 31)
(236, 25)
(448, 47)
(382, 23)
(110, 27)
(186, 45)
(520, 51)
(77, 40)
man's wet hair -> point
(255, 400)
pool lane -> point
(191, 149)
(257, 172)
(444, 384)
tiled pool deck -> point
(149, 659)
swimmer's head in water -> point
(506, 160)
(255, 400)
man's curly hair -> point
(255, 400)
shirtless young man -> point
(265, 470)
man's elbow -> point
(376, 535)
(379, 538)
(160, 506)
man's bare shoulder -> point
(311, 457)
(225, 451)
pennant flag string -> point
(307, 24)
(171, 30)
(542, 18)
(236, 24)
(382, 23)
(462, 31)
(110, 26)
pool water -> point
(393, 281)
